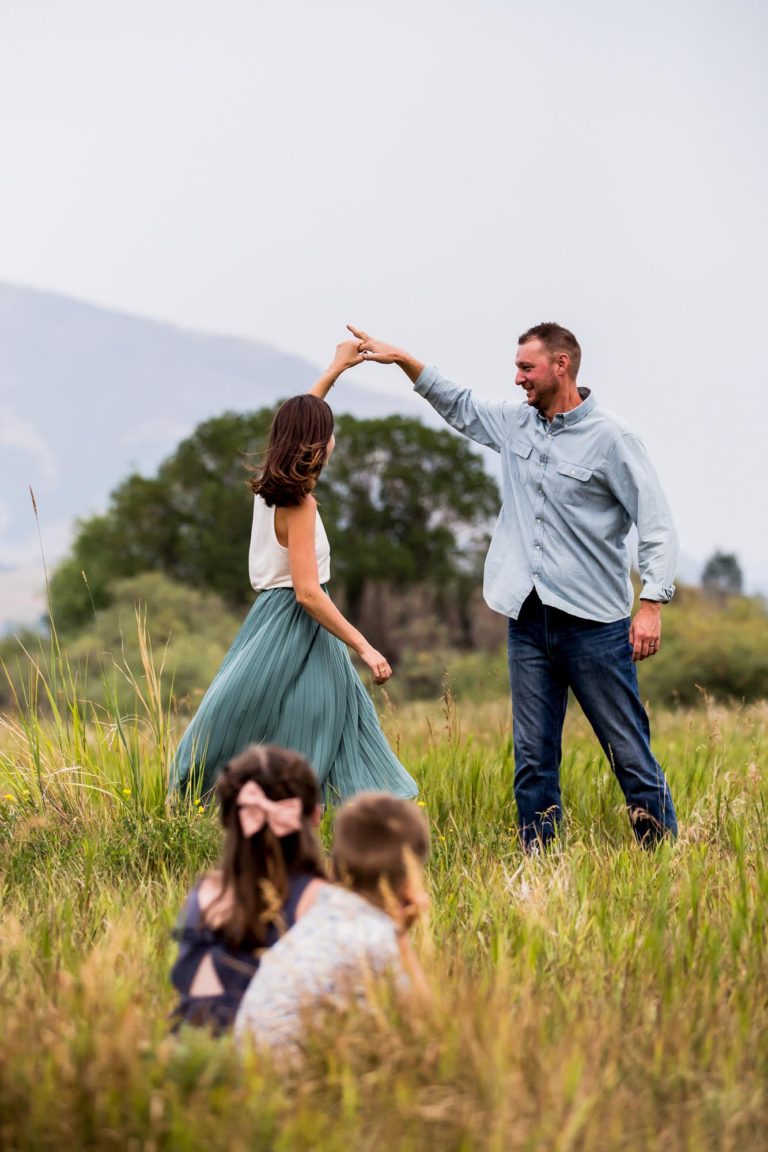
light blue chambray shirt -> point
(571, 491)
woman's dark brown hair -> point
(296, 452)
(256, 870)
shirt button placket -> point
(538, 531)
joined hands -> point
(372, 349)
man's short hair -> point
(375, 835)
(555, 339)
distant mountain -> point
(88, 395)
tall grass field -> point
(598, 998)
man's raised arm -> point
(485, 421)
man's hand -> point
(645, 630)
(371, 349)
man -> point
(574, 480)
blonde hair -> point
(377, 839)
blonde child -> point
(355, 930)
(270, 873)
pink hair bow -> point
(255, 809)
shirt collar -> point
(566, 419)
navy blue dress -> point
(234, 967)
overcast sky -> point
(442, 172)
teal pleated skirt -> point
(286, 680)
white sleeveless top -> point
(268, 565)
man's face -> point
(536, 374)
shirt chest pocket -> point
(519, 457)
(572, 483)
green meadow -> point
(598, 998)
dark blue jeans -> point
(549, 652)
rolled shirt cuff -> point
(426, 379)
(661, 593)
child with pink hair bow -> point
(270, 873)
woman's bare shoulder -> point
(307, 506)
(301, 515)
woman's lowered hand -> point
(378, 664)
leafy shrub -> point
(190, 631)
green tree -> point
(403, 504)
(722, 575)
(189, 522)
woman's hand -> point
(377, 663)
(347, 355)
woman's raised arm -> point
(347, 355)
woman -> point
(288, 678)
